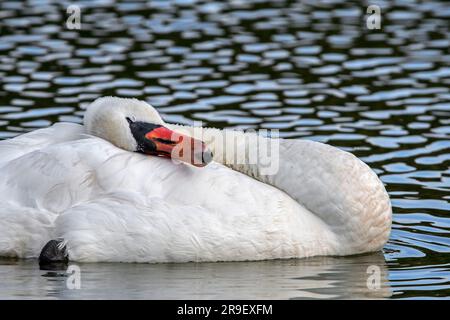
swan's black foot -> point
(54, 255)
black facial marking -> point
(139, 129)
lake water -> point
(311, 69)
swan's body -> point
(110, 204)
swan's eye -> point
(131, 119)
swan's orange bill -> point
(174, 145)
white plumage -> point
(111, 204)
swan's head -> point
(136, 126)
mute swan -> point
(85, 184)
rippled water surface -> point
(308, 68)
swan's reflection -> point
(320, 277)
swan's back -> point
(113, 205)
(38, 139)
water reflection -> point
(315, 278)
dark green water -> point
(308, 68)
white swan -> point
(85, 185)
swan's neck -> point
(332, 184)
(246, 152)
